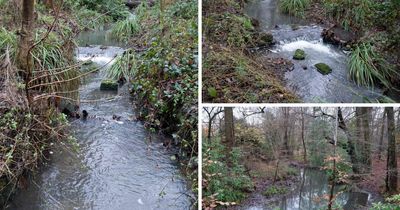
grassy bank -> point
(230, 72)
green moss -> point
(299, 54)
(323, 68)
(275, 190)
(108, 85)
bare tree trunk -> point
(302, 136)
(286, 138)
(276, 171)
(380, 149)
(24, 60)
(366, 150)
(229, 129)
(331, 195)
(391, 175)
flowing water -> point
(117, 165)
(291, 33)
(309, 195)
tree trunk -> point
(350, 142)
(302, 136)
(286, 138)
(24, 60)
(391, 175)
(366, 149)
(209, 130)
(380, 149)
(229, 129)
(331, 194)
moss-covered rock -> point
(264, 39)
(323, 68)
(88, 62)
(109, 84)
(299, 54)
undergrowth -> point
(392, 203)
(275, 190)
(222, 184)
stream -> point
(117, 165)
(310, 193)
(304, 80)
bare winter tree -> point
(212, 112)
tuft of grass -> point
(368, 68)
(7, 39)
(294, 7)
(123, 67)
(125, 29)
(274, 190)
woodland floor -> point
(375, 182)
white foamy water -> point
(313, 45)
(98, 55)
